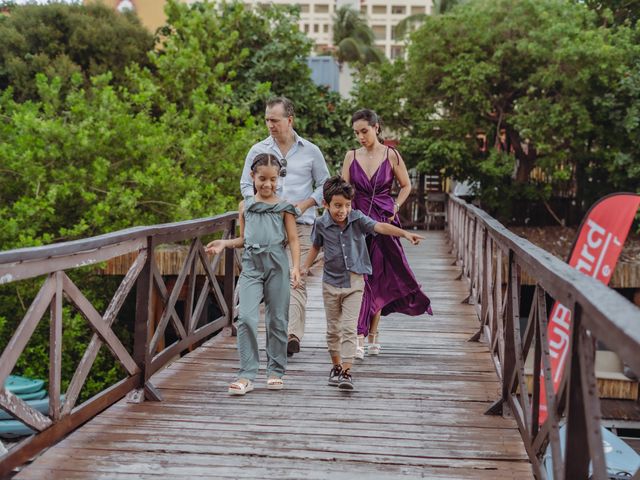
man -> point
(303, 173)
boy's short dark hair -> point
(336, 185)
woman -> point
(392, 287)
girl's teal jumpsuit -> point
(265, 272)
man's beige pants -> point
(298, 300)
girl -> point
(391, 287)
(264, 219)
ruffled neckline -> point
(251, 205)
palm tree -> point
(353, 38)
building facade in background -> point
(383, 16)
(316, 18)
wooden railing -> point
(424, 207)
(481, 244)
(53, 261)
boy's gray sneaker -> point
(345, 382)
(334, 376)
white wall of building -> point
(383, 16)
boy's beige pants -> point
(342, 308)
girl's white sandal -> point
(360, 347)
(275, 383)
(240, 388)
(374, 347)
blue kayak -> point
(21, 385)
(11, 428)
(33, 396)
(14, 429)
(41, 405)
(622, 461)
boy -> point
(341, 231)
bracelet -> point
(396, 206)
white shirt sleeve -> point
(320, 174)
(246, 183)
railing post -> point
(584, 439)
(229, 278)
(142, 335)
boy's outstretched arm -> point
(388, 229)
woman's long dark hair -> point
(371, 118)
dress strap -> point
(389, 147)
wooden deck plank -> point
(417, 411)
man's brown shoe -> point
(293, 346)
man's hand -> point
(414, 238)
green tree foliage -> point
(60, 40)
(236, 58)
(541, 78)
(353, 38)
(615, 11)
(440, 7)
(167, 143)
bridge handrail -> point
(149, 355)
(480, 243)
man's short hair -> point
(287, 105)
(336, 185)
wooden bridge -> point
(419, 410)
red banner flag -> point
(595, 253)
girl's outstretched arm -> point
(218, 246)
(294, 245)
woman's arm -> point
(218, 246)
(294, 245)
(346, 164)
(402, 176)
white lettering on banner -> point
(594, 250)
(594, 228)
(559, 337)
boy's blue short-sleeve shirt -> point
(345, 250)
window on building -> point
(398, 9)
(380, 32)
(325, 28)
(321, 8)
(306, 28)
(418, 10)
(397, 52)
(379, 9)
(304, 8)
(363, 9)
(316, 28)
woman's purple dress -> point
(392, 287)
